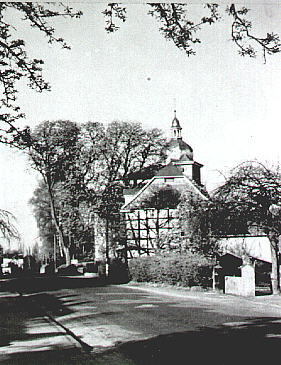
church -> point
(149, 210)
(148, 215)
(150, 206)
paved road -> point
(76, 326)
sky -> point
(228, 105)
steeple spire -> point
(176, 127)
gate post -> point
(248, 279)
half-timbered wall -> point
(144, 229)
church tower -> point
(180, 154)
(176, 128)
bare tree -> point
(15, 63)
(177, 26)
(250, 192)
(7, 226)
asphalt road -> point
(120, 325)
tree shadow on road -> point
(55, 356)
(21, 315)
(17, 311)
(28, 336)
(254, 341)
(239, 340)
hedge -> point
(186, 269)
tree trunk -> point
(58, 227)
(107, 245)
(67, 255)
(275, 273)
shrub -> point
(187, 269)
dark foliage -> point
(185, 268)
(161, 198)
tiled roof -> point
(145, 173)
(169, 170)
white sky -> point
(228, 106)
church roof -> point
(146, 172)
(186, 152)
(178, 142)
(169, 170)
